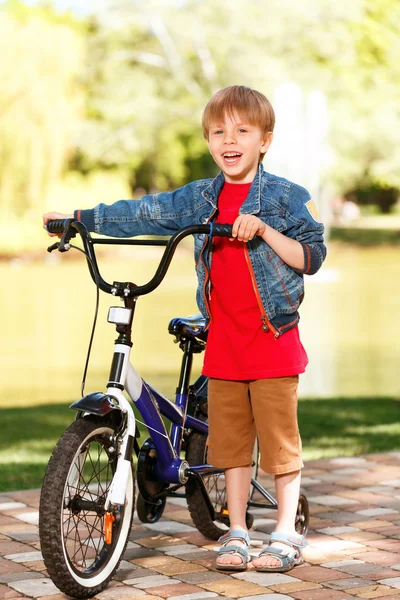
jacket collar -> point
(251, 205)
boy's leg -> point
(230, 445)
(237, 489)
(280, 446)
(287, 488)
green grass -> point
(329, 427)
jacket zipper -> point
(266, 323)
(207, 272)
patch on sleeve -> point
(312, 209)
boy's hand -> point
(52, 216)
(246, 227)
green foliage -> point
(364, 237)
(125, 90)
(154, 66)
(329, 427)
(40, 104)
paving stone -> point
(7, 577)
(177, 589)
(31, 535)
(234, 588)
(318, 594)
(371, 524)
(391, 482)
(346, 584)
(167, 565)
(332, 500)
(151, 581)
(5, 506)
(202, 577)
(384, 573)
(29, 517)
(8, 566)
(340, 516)
(117, 593)
(381, 558)
(360, 536)
(372, 512)
(24, 557)
(337, 530)
(372, 591)
(391, 582)
(155, 541)
(268, 596)
(179, 549)
(169, 527)
(199, 554)
(140, 552)
(360, 569)
(342, 563)
(318, 574)
(288, 588)
(265, 579)
(196, 596)
(35, 587)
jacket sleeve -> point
(304, 226)
(153, 214)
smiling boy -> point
(250, 289)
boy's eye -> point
(242, 130)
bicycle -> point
(88, 493)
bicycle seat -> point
(192, 326)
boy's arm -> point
(153, 214)
(305, 228)
(302, 246)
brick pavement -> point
(353, 552)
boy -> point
(250, 294)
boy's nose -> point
(230, 139)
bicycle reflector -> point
(119, 315)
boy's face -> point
(236, 145)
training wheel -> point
(302, 515)
(150, 512)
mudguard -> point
(96, 403)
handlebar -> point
(70, 227)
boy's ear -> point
(266, 142)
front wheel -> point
(80, 550)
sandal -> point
(289, 558)
(228, 548)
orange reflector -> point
(225, 511)
(108, 521)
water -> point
(349, 324)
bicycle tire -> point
(81, 567)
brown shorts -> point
(240, 410)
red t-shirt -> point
(237, 347)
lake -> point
(349, 323)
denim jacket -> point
(285, 206)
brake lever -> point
(53, 247)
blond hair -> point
(249, 104)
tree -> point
(40, 104)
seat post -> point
(186, 368)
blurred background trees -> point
(122, 90)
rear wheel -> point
(302, 515)
(72, 517)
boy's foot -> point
(282, 553)
(233, 554)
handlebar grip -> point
(56, 226)
(221, 229)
